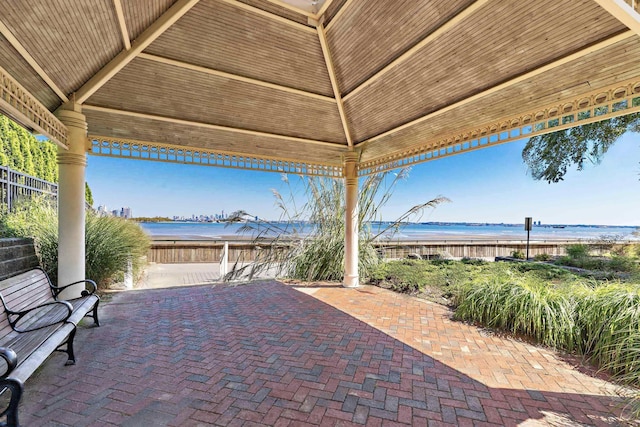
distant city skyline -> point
(486, 186)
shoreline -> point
(431, 239)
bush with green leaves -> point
(542, 257)
(110, 242)
(578, 250)
(517, 254)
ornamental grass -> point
(110, 243)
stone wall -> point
(16, 256)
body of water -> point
(414, 231)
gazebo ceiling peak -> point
(295, 84)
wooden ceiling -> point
(304, 81)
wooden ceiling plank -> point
(270, 15)
(334, 83)
(623, 12)
(219, 73)
(208, 125)
(468, 11)
(520, 78)
(154, 31)
(7, 34)
(126, 40)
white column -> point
(71, 200)
(351, 278)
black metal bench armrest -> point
(93, 288)
(10, 359)
(54, 317)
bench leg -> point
(95, 313)
(15, 387)
(69, 349)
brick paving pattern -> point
(268, 354)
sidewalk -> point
(170, 275)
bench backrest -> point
(23, 291)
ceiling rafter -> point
(126, 40)
(114, 66)
(270, 15)
(515, 80)
(88, 107)
(219, 73)
(337, 15)
(4, 30)
(623, 12)
(323, 9)
(334, 82)
(293, 8)
(465, 13)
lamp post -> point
(527, 226)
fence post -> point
(224, 261)
(128, 274)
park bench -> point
(35, 324)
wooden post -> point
(224, 261)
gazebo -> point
(338, 88)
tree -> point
(88, 196)
(23, 152)
(549, 156)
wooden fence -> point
(201, 251)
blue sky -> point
(488, 185)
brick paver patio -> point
(268, 354)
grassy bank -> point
(597, 319)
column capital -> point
(351, 157)
(72, 118)
(67, 158)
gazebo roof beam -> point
(323, 9)
(230, 76)
(335, 17)
(31, 61)
(209, 126)
(334, 82)
(293, 8)
(270, 15)
(126, 40)
(154, 31)
(515, 80)
(470, 10)
(623, 12)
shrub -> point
(406, 276)
(542, 257)
(517, 254)
(578, 250)
(110, 242)
(622, 263)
